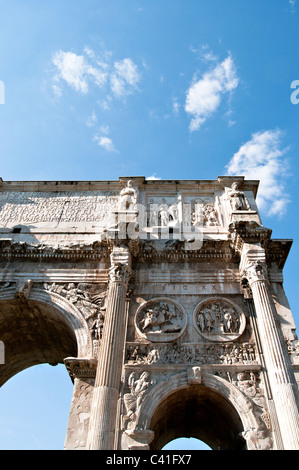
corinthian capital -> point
(120, 273)
(256, 271)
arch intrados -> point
(231, 398)
(200, 412)
(45, 328)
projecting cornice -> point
(11, 249)
(248, 231)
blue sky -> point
(172, 89)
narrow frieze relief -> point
(97, 250)
(203, 354)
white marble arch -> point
(72, 314)
(252, 427)
(74, 318)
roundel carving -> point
(218, 319)
(160, 320)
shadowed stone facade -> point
(164, 300)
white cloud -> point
(175, 106)
(92, 120)
(117, 86)
(75, 71)
(204, 95)
(124, 77)
(104, 129)
(153, 177)
(127, 70)
(105, 142)
(204, 53)
(79, 71)
(263, 158)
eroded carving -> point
(138, 385)
(210, 218)
(120, 273)
(24, 288)
(90, 299)
(160, 320)
(219, 320)
(63, 206)
(238, 200)
(128, 197)
(256, 271)
(226, 354)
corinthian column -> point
(102, 424)
(281, 378)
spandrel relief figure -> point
(138, 388)
(237, 198)
(219, 319)
(128, 197)
(160, 320)
(89, 299)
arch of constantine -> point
(164, 300)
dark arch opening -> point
(200, 412)
(33, 333)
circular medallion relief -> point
(160, 320)
(217, 319)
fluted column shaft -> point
(102, 424)
(281, 377)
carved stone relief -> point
(64, 206)
(128, 198)
(237, 199)
(210, 217)
(90, 299)
(219, 320)
(160, 320)
(226, 354)
(163, 212)
(249, 383)
(138, 385)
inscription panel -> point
(66, 206)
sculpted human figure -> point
(133, 399)
(164, 215)
(237, 198)
(210, 216)
(128, 197)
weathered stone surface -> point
(165, 302)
